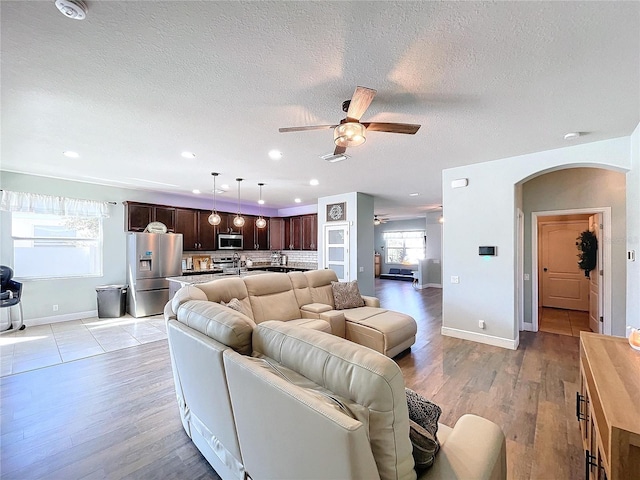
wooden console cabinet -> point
(608, 407)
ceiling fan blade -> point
(339, 150)
(392, 127)
(360, 101)
(309, 127)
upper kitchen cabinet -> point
(197, 232)
(309, 232)
(295, 233)
(277, 234)
(139, 215)
(262, 237)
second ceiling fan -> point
(350, 132)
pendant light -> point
(214, 218)
(238, 221)
(260, 222)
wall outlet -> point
(481, 324)
(526, 276)
(361, 269)
(455, 279)
(55, 308)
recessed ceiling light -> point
(414, 194)
(70, 154)
(297, 200)
(314, 182)
(572, 135)
(275, 154)
(196, 191)
(188, 155)
(261, 202)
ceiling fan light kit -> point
(349, 134)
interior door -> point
(336, 250)
(563, 284)
(595, 278)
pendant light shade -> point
(260, 222)
(214, 218)
(238, 221)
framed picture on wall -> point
(337, 212)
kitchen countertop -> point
(192, 277)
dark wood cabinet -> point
(309, 232)
(277, 234)
(206, 231)
(139, 215)
(295, 235)
(262, 237)
(187, 225)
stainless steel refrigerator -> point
(151, 257)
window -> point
(53, 246)
(404, 247)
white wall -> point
(360, 219)
(484, 213)
(633, 232)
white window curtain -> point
(36, 203)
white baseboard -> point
(428, 285)
(481, 338)
(32, 322)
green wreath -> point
(588, 246)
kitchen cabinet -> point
(139, 215)
(255, 238)
(295, 233)
(277, 234)
(197, 232)
(206, 231)
(309, 232)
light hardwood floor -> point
(115, 415)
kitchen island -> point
(193, 278)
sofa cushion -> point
(186, 293)
(300, 288)
(394, 271)
(224, 289)
(224, 325)
(237, 305)
(272, 297)
(320, 285)
(423, 427)
(346, 295)
(356, 373)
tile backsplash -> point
(294, 256)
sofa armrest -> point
(168, 312)
(474, 450)
(335, 318)
(315, 308)
(371, 301)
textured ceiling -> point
(138, 82)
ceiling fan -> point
(350, 132)
(378, 220)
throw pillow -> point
(346, 295)
(423, 426)
(235, 304)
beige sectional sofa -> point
(306, 299)
(304, 404)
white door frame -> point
(347, 255)
(604, 244)
(520, 270)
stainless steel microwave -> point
(228, 241)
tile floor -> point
(45, 345)
(563, 322)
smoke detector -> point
(75, 9)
